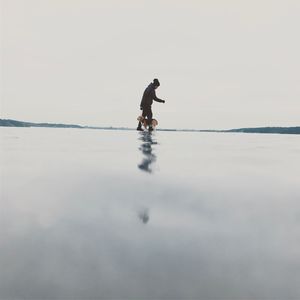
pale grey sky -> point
(221, 64)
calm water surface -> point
(92, 214)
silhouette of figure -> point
(147, 100)
(146, 148)
(144, 215)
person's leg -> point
(149, 116)
(140, 123)
(139, 126)
(144, 114)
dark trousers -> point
(147, 112)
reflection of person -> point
(146, 148)
(147, 100)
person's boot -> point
(139, 128)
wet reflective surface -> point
(90, 214)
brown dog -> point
(145, 122)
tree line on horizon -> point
(278, 130)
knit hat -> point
(156, 82)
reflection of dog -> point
(145, 122)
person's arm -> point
(142, 104)
(155, 98)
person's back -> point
(147, 100)
(148, 95)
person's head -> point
(156, 83)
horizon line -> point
(261, 129)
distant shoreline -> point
(266, 130)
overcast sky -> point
(221, 64)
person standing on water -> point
(147, 100)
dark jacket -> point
(148, 97)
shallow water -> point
(95, 214)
